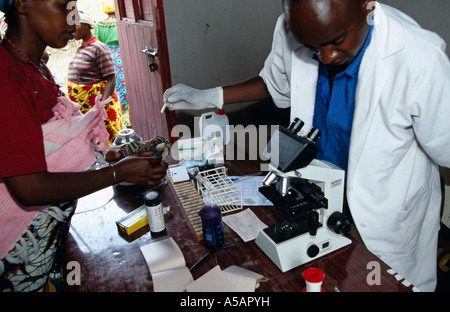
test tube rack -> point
(190, 201)
(218, 189)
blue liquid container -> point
(212, 226)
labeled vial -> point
(155, 213)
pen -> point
(164, 107)
(155, 188)
(240, 178)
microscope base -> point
(300, 249)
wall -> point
(430, 14)
(215, 42)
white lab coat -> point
(401, 133)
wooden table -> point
(109, 263)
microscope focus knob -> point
(313, 222)
(339, 223)
(312, 251)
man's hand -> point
(184, 97)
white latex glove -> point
(184, 97)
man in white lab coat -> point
(378, 87)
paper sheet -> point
(232, 279)
(170, 274)
(242, 279)
(246, 224)
(167, 265)
(212, 281)
(250, 193)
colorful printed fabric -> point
(121, 88)
(85, 96)
(3, 25)
(36, 262)
(106, 32)
(156, 147)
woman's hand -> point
(112, 155)
(140, 170)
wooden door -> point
(140, 24)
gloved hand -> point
(184, 97)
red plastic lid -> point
(314, 275)
(220, 112)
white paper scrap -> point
(242, 279)
(246, 224)
(232, 279)
(250, 193)
(212, 281)
(179, 174)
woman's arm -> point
(45, 188)
(110, 86)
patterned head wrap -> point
(108, 6)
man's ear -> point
(368, 5)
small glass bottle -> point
(155, 213)
(212, 226)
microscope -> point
(309, 193)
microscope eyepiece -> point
(296, 125)
(314, 134)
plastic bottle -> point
(214, 125)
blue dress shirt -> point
(333, 114)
